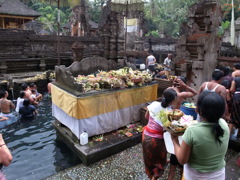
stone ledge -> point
(95, 151)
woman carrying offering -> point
(154, 150)
(205, 144)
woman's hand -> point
(174, 138)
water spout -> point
(12, 93)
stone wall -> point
(161, 47)
(197, 49)
(24, 51)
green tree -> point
(167, 16)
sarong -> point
(154, 155)
(235, 112)
(192, 174)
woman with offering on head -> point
(205, 144)
(154, 149)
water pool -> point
(36, 152)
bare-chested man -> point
(236, 70)
(5, 105)
(183, 91)
(33, 86)
(28, 93)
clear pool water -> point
(36, 152)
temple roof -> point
(16, 8)
(93, 24)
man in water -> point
(2, 118)
(33, 86)
(5, 156)
(5, 105)
(28, 94)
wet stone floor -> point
(128, 165)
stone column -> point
(3, 67)
(78, 49)
(42, 65)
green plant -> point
(224, 26)
(153, 33)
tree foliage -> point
(49, 15)
(62, 3)
(168, 15)
(165, 16)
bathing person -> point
(205, 144)
(33, 86)
(183, 91)
(20, 100)
(2, 118)
(28, 93)
(34, 94)
(154, 149)
(5, 156)
(27, 111)
(49, 87)
(5, 105)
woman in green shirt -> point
(205, 144)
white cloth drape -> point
(98, 124)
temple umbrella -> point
(232, 35)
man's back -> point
(236, 73)
(6, 106)
(150, 60)
(183, 91)
(213, 87)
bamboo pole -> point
(58, 39)
(125, 47)
(3, 24)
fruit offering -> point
(175, 121)
(121, 78)
(189, 105)
(175, 114)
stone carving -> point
(77, 48)
(65, 75)
(198, 45)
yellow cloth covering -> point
(130, 22)
(89, 106)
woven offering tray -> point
(136, 80)
(176, 133)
